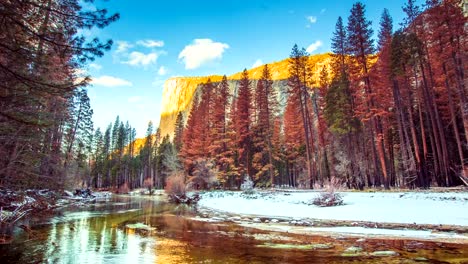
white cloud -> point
(202, 51)
(162, 71)
(110, 81)
(137, 58)
(123, 46)
(314, 46)
(311, 19)
(257, 63)
(95, 66)
(149, 43)
(323, 10)
(134, 99)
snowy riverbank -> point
(424, 215)
(386, 207)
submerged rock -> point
(297, 246)
(384, 253)
(420, 259)
(322, 246)
(140, 226)
(352, 252)
(286, 246)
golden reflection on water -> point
(106, 239)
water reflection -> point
(100, 234)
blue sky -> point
(155, 40)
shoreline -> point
(211, 211)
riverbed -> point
(147, 229)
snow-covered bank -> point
(357, 231)
(382, 207)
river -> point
(149, 230)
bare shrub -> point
(332, 185)
(326, 199)
(123, 188)
(329, 196)
(175, 185)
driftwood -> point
(184, 198)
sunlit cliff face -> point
(179, 92)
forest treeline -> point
(45, 116)
(392, 113)
(400, 122)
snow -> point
(362, 232)
(386, 207)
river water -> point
(109, 233)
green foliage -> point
(338, 108)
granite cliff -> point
(179, 92)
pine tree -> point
(189, 152)
(220, 139)
(98, 159)
(294, 138)
(360, 45)
(299, 81)
(147, 154)
(266, 106)
(115, 132)
(39, 57)
(412, 11)
(79, 131)
(179, 131)
(386, 29)
(205, 119)
(339, 48)
(242, 123)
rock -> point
(217, 219)
(84, 193)
(384, 253)
(322, 246)
(256, 220)
(353, 250)
(274, 220)
(267, 221)
(234, 218)
(293, 222)
(140, 226)
(67, 193)
(361, 240)
(102, 195)
(420, 259)
(286, 246)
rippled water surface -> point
(106, 233)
